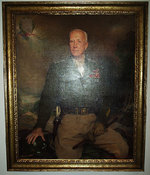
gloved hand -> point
(98, 129)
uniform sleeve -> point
(48, 98)
(106, 89)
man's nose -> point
(75, 44)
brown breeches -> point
(74, 129)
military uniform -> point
(81, 99)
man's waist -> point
(78, 110)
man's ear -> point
(86, 45)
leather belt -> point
(77, 111)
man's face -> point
(78, 43)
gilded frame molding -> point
(139, 9)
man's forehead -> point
(77, 34)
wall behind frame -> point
(3, 165)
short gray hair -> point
(85, 34)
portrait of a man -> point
(89, 98)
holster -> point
(57, 121)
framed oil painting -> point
(75, 85)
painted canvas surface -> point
(42, 40)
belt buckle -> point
(84, 111)
(76, 111)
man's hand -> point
(34, 134)
(98, 129)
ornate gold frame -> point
(139, 9)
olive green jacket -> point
(66, 87)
